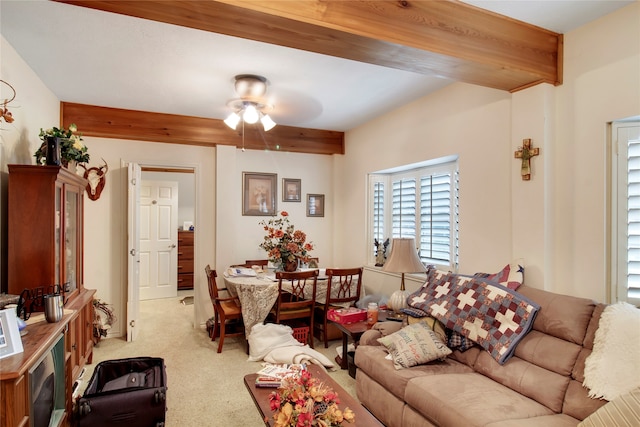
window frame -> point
(620, 134)
(416, 171)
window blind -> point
(435, 218)
(378, 211)
(403, 211)
(633, 216)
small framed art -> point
(291, 190)
(259, 193)
(10, 340)
(315, 204)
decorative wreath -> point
(103, 318)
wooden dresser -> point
(185, 260)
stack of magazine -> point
(271, 375)
(240, 272)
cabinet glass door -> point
(71, 241)
(57, 245)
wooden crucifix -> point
(526, 153)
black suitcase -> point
(125, 392)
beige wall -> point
(556, 222)
(465, 120)
(106, 248)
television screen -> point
(46, 387)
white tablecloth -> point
(258, 294)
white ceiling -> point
(100, 58)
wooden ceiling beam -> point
(108, 122)
(443, 37)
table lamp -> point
(403, 259)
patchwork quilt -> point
(490, 314)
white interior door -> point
(158, 239)
(133, 244)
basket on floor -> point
(301, 334)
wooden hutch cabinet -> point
(45, 249)
(185, 260)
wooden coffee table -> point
(261, 399)
(354, 331)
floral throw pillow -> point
(414, 345)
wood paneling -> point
(145, 126)
(446, 37)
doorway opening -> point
(167, 215)
(134, 253)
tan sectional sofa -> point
(541, 385)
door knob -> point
(172, 246)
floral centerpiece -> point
(71, 146)
(305, 401)
(283, 243)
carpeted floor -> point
(204, 388)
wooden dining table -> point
(258, 293)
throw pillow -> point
(433, 323)
(414, 345)
(511, 276)
(459, 342)
(620, 412)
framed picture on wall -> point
(291, 190)
(10, 340)
(259, 193)
(315, 204)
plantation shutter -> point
(633, 216)
(436, 216)
(403, 211)
(378, 211)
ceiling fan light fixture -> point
(267, 122)
(250, 114)
(232, 121)
(250, 107)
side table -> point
(354, 331)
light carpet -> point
(204, 388)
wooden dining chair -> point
(259, 262)
(296, 299)
(340, 290)
(227, 312)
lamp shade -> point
(404, 257)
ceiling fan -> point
(250, 107)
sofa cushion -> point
(372, 361)
(623, 411)
(557, 420)
(414, 345)
(561, 316)
(468, 400)
(577, 402)
(549, 352)
(543, 386)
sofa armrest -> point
(387, 328)
(379, 330)
(370, 337)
